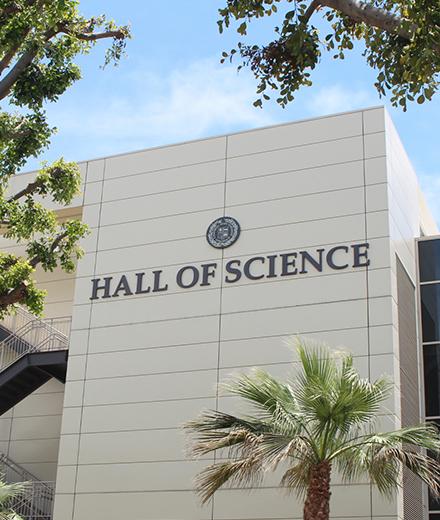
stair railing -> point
(61, 325)
(14, 472)
(18, 322)
(33, 336)
(35, 502)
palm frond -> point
(331, 391)
(214, 430)
(216, 420)
(247, 471)
(241, 442)
(425, 436)
(381, 456)
(318, 365)
(315, 386)
(10, 491)
(297, 478)
(424, 467)
(262, 391)
(352, 464)
(357, 400)
(275, 449)
(7, 493)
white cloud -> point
(338, 98)
(202, 99)
(143, 108)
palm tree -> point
(8, 492)
(320, 421)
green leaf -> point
(27, 215)
(242, 28)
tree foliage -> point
(401, 42)
(317, 421)
(39, 41)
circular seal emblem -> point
(223, 232)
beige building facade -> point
(326, 213)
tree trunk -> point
(317, 504)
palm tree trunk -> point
(317, 504)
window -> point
(429, 276)
(429, 260)
(430, 312)
(434, 504)
(431, 365)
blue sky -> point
(173, 88)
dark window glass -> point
(431, 366)
(435, 516)
(434, 503)
(429, 260)
(430, 295)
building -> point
(325, 218)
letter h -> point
(105, 287)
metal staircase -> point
(36, 500)
(31, 352)
(23, 332)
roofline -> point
(180, 143)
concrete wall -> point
(408, 217)
(142, 365)
(30, 432)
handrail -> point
(61, 324)
(35, 502)
(13, 472)
(17, 322)
(34, 336)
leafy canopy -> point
(401, 39)
(39, 42)
(324, 415)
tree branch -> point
(8, 11)
(7, 82)
(16, 295)
(310, 10)
(35, 261)
(26, 59)
(6, 60)
(360, 11)
(11, 10)
(87, 33)
(19, 293)
(30, 188)
(118, 34)
(15, 8)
